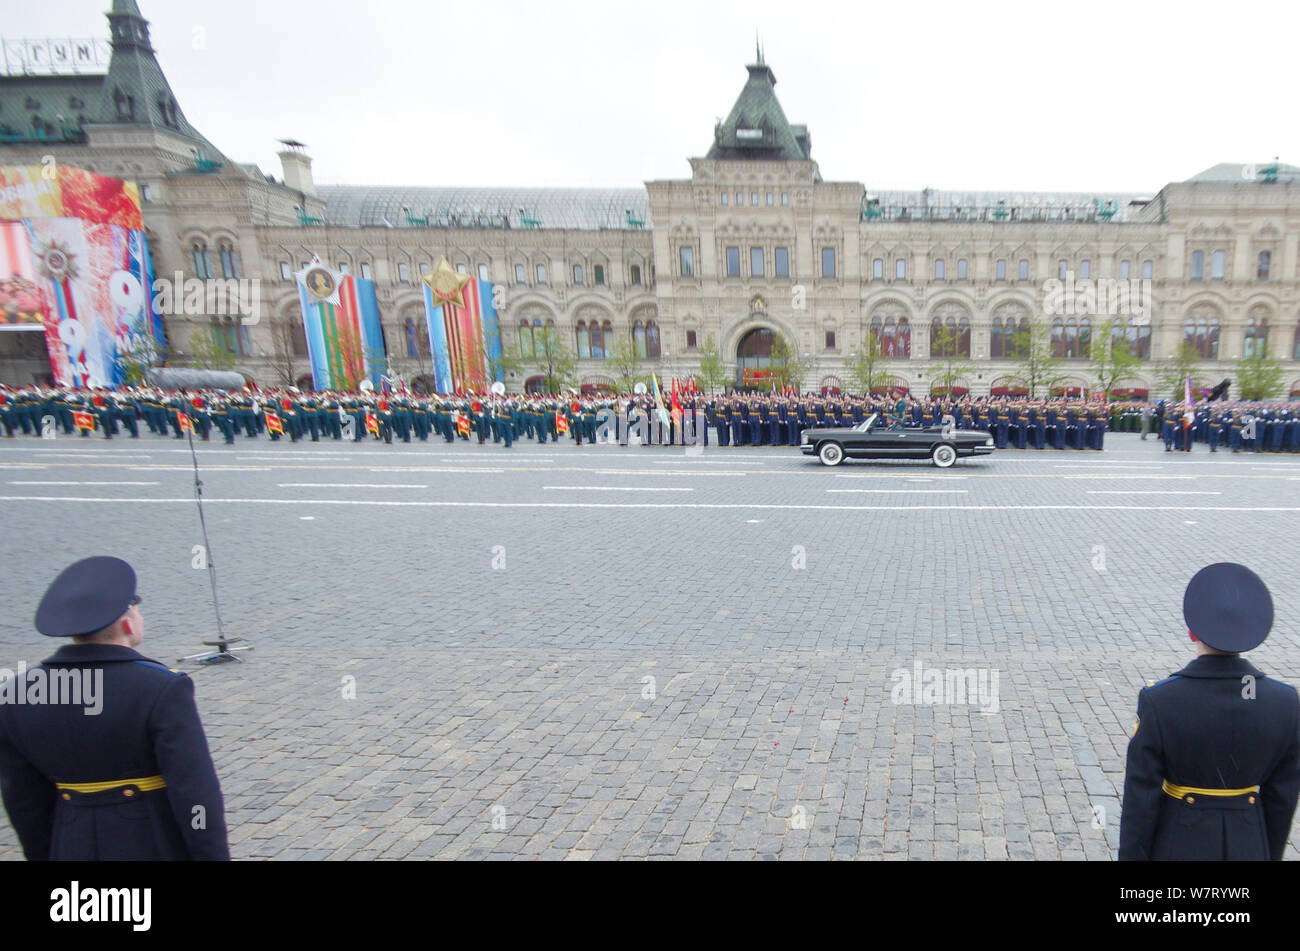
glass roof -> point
(586, 209)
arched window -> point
(963, 337)
(202, 265)
(526, 348)
(600, 339)
(1085, 338)
(1071, 346)
(1202, 332)
(1265, 262)
(412, 341)
(997, 343)
(937, 341)
(299, 337)
(877, 331)
(889, 338)
(1058, 338)
(1256, 337)
(229, 269)
(904, 339)
(638, 339)
(636, 275)
(584, 341)
(1198, 265)
(652, 340)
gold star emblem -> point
(448, 287)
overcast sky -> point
(1105, 96)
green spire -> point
(757, 127)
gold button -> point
(67, 795)
(1191, 799)
(131, 792)
(1251, 800)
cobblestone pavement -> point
(616, 652)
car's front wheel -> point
(831, 454)
(944, 456)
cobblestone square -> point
(637, 653)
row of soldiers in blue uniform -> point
(732, 420)
(1240, 426)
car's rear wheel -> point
(830, 453)
(944, 456)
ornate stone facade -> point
(753, 240)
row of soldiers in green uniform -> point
(736, 419)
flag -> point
(464, 330)
(273, 424)
(372, 424)
(1189, 414)
(462, 424)
(340, 317)
(561, 423)
(677, 405)
(659, 400)
(84, 420)
(185, 422)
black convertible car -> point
(874, 439)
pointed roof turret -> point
(757, 127)
(135, 91)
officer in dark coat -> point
(1213, 767)
(111, 764)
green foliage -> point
(625, 362)
(867, 370)
(1174, 372)
(1259, 377)
(1112, 361)
(950, 365)
(788, 367)
(559, 364)
(1036, 369)
(713, 372)
(208, 351)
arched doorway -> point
(535, 385)
(754, 360)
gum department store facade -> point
(753, 242)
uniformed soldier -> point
(1213, 769)
(125, 774)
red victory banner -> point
(561, 423)
(273, 424)
(84, 420)
(186, 422)
(462, 424)
(372, 424)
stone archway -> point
(754, 359)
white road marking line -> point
(608, 488)
(206, 468)
(1189, 523)
(23, 466)
(1132, 476)
(346, 485)
(427, 469)
(1139, 492)
(902, 491)
(891, 475)
(762, 506)
(1111, 465)
(307, 518)
(85, 483)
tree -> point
(624, 360)
(950, 364)
(559, 364)
(713, 372)
(788, 368)
(1036, 367)
(1112, 360)
(283, 358)
(1173, 373)
(208, 350)
(1259, 376)
(500, 369)
(867, 370)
